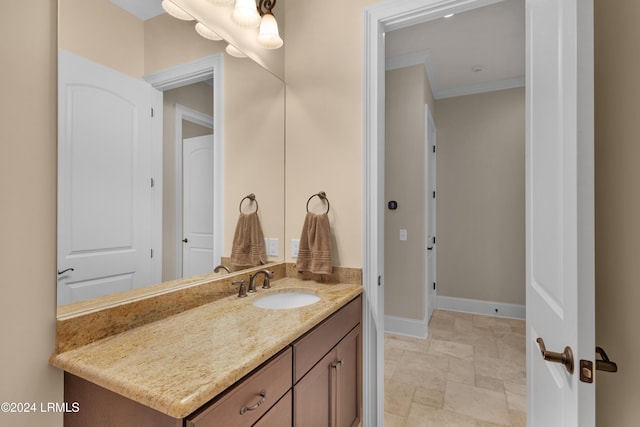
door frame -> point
(202, 69)
(193, 116)
(377, 19)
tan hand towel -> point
(314, 252)
(248, 242)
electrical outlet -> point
(295, 246)
(273, 247)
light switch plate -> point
(273, 247)
(403, 234)
(295, 246)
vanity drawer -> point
(274, 378)
(312, 347)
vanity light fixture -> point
(246, 14)
(205, 32)
(176, 11)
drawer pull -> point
(263, 396)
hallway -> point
(469, 372)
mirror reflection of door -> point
(105, 196)
(197, 205)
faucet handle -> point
(242, 289)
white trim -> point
(489, 308)
(158, 186)
(377, 19)
(404, 326)
(193, 116)
(210, 67)
(481, 88)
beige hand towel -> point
(248, 242)
(314, 252)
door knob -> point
(185, 240)
(565, 358)
(605, 364)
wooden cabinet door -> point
(313, 398)
(348, 375)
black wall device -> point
(393, 205)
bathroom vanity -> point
(227, 363)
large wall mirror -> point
(161, 136)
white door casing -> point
(559, 209)
(430, 211)
(573, 43)
(106, 201)
(197, 205)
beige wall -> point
(254, 152)
(110, 36)
(617, 152)
(28, 212)
(480, 203)
(324, 119)
(198, 97)
(407, 91)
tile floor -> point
(470, 371)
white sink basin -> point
(284, 300)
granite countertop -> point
(177, 364)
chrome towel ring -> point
(252, 198)
(322, 196)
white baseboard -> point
(489, 308)
(403, 326)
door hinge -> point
(152, 253)
(434, 286)
(379, 280)
(434, 194)
(434, 240)
(152, 112)
(434, 148)
(153, 183)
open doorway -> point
(468, 69)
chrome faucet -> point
(221, 267)
(265, 285)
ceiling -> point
(471, 52)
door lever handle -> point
(64, 271)
(605, 364)
(565, 358)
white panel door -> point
(197, 157)
(104, 180)
(430, 220)
(559, 206)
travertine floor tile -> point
(470, 371)
(481, 404)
